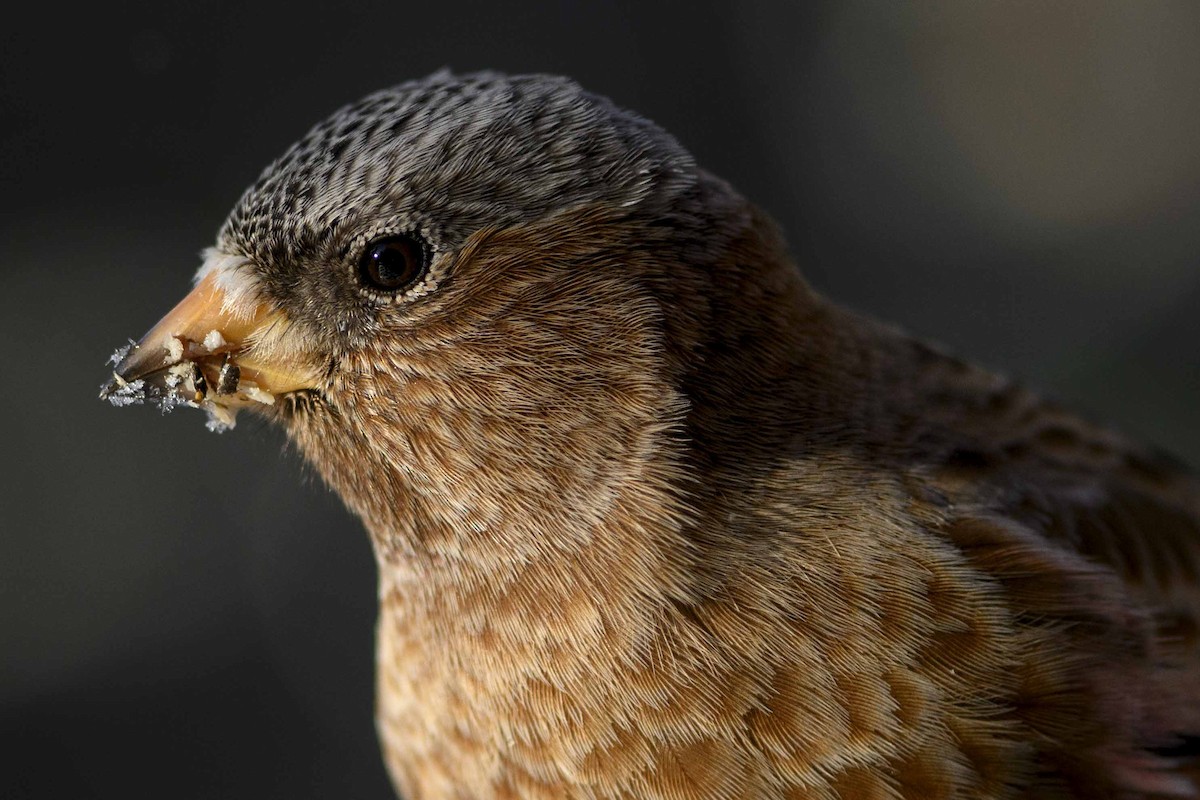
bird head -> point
(469, 300)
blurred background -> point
(188, 615)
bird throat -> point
(500, 594)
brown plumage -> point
(654, 520)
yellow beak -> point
(206, 353)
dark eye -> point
(393, 264)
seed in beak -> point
(199, 382)
(227, 381)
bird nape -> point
(653, 519)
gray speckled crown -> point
(451, 154)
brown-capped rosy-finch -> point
(654, 520)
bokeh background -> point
(187, 615)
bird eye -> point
(393, 264)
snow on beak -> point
(213, 351)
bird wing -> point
(1095, 541)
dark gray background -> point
(187, 615)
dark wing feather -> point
(1096, 542)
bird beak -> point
(211, 353)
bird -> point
(652, 517)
